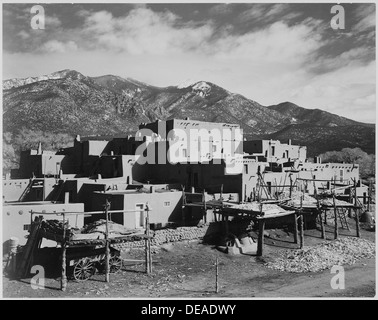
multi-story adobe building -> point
(201, 155)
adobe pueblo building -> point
(186, 171)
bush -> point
(355, 155)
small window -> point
(167, 204)
(27, 227)
(214, 148)
(246, 168)
(184, 153)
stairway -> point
(33, 185)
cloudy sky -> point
(270, 53)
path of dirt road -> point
(186, 270)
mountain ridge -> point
(67, 101)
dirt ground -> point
(187, 270)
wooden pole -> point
(357, 223)
(291, 186)
(107, 249)
(216, 276)
(356, 209)
(301, 232)
(336, 221)
(148, 242)
(183, 206)
(204, 207)
(295, 228)
(63, 283)
(260, 240)
(322, 226)
(350, 201)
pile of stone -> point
(329, 202)
(100, 226)
(343, 251)
(178, 234)
(167, 235)
(256, 206)
(297, 198)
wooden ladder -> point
(341, 212)
(33, 242)
(26, 191)
(263, 187)
(60, 185)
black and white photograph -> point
(201, 151)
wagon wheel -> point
(83, 270)
(115, 264)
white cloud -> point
(23, 35)
(220, 9)
(59, 46)
(276, 43)
(52, 22)
(144, 31)
(365, 14)
(269, 64)
(343, 91)
(355, 56)
(267, 13)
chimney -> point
(289, 142)
(187, 118)
(39, 148)
(318, 159)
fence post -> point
(63, 283)
(357, 218)
(335, 213)
(147, 241)
(107, 249)
(216, 276)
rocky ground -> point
(186, 269)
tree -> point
(27, 139)
(10, 158)
(365, 161)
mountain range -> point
(70, 102)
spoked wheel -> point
(83, 270)
(115, 264)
